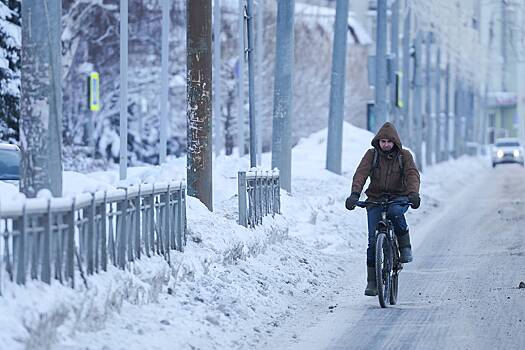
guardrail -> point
(259, 195)
(42, 238)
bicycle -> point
(388, 265)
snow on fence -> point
(259, 195)
(45, 238)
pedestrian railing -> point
(259, 195)
(64, 238)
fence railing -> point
(60, 238)
(259, 195)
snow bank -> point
(232, 287)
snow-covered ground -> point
(232, 287)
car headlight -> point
(516, 153)
(500, 153)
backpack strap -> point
(402, 168)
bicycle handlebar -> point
(364, 204)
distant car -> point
(507, 150)
(10, 157)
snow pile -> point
(232, 287)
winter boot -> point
(405, 250)
(371, 286)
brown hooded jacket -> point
(387, 176)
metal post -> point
(240, 81)
(199, 94)
(337, 90)
(103, 231)
(217, 115)
(55, 103)
(438, 115)
(70, 245)
(91, 247)
(21, 267)
(283, 93)
(259, 88)
(164, 100)
(242, 198)
(394, 50)
(416, 113)
(123, 233)
(504, 44)
(91, 132)
(46, 254)
(381, 111)
(448, 113)
(457, 117)
(123, 163)
(428, 101)
(407, 120)
(251, 83)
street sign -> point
(370, 116)
(94, 92)
(399, 89)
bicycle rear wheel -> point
(393, 291)
(383, 270)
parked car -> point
(507, 150)
(10, 157)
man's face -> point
(386, 145)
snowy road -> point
(461, 292)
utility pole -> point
(504, 44)
(199, 97)
(283, 93)
(407, 120)
(394, 50)
(251, 83)
(217, 114)
(164, 101)
(457, 116)
(380, 107)
(337, 90)
(259, 88)
(240, 80)
(428, 102)
(439, 114)
(416, 113)
(448, 114)
(41, 98)
(123, 160)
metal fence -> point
(259, 195)
(64, 238)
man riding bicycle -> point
(393, 176)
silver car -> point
(10, 163)
(507, 150)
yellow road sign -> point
(94, 92)
(399, 91)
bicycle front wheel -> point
(383, 270)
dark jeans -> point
(396, 214)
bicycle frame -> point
(387, 247)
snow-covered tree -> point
(9, 70)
